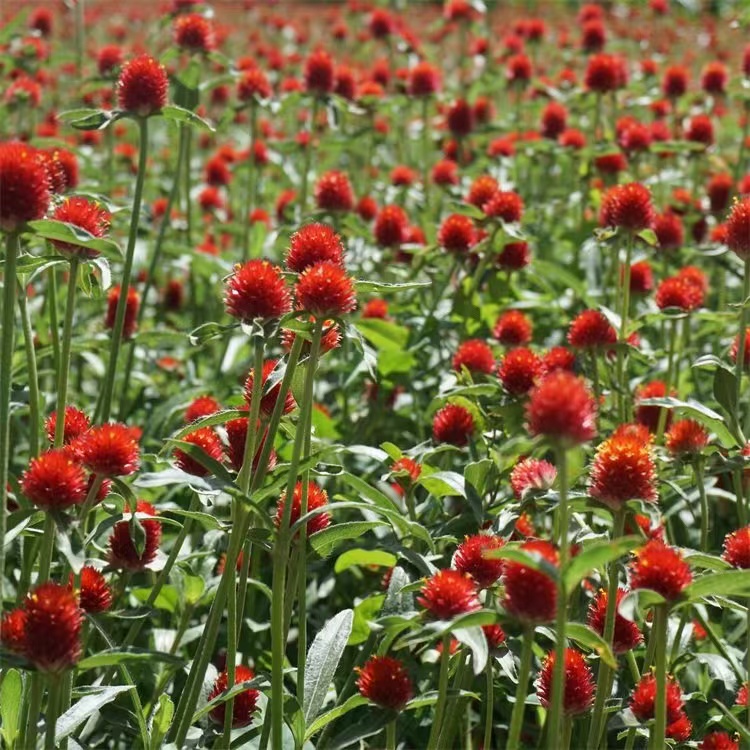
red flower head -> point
(519, 370)
(718, 741)
(245, 702)
(208, 441)
(641, 277)
(316, 498)
(256, 290)
(686, 437)
(269, 397)
(75, 424)
(457, 233)
(460, 118)
(680, 729)
(346, 84)
(376, 308)
(513, 328)
(561, 407)
(253, 85)
(554, 120)
(445, 172)
(531, 595)
(333, 192)
(24, 186)
(381, 23)
(109, 449)
(514, 256)
(593, 36)
(367, 208)
(714, 78)
(403, 176)
(611, 163)
(591, 330)
(531, 474)
(424, 80)
(737, 548)
(325, 290)
(573, 139)
(603, 74)
(314, 243)
(578, 696)
(626, 636)
(142, 86)
(52, 631)
(649, 415)
(54, 481)
(386, 682)
(738, 227)
(505, 205)
(83, 214)
(675, 81)
(123, 552)
(700, 129)
(518, 70)
(742, 695)
(495, 636)
(236, 438)
(94, 594)
(41, 21)
(203, 406)
(470, 560)
(193, 33)
(679, 292)
(476, 356)
(661, 568)
(453, 424)
(559, 358)
(13, 631)
(131, 310)
(627, 206)
(481, 190)
(448, 594)
(406, 471)
(643, 699)
(391, 225)
(319, 73)
(63, 168)
(108, 59)
(719, 189)
(669, 230)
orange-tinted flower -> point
(54, 481)
(386, 682)
(506, 205)
(75, 424)
(132, 304)
(193, 33)
(686, 436)
(531, 595)
(375, 309)
(591, 330)
(519, 370)
(142, 86)
(448, 594)
(470, 560)
(24, 186)
(678, 292)
(737, 548)
(453, 424)
(660, 568)
(626, 636)
(256, 290)
(314, 243)
(109, 449)
(325, 290)
(333, 192)
(643, 699)
(513, 328)
(245, 701)
(391, 225)
(13, 631)
(623, 470)
(203, 406)
(627, 206)
(578, 695)
(94, 594)
(424, 79)
(457, 233)
(253, 84)
(123, 552)
(208, 441)
(738, 228)
(83, 214)
(316, 498)
(481, 190)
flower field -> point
(375, 375)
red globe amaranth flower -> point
(325, 290)
(236, 438)
(132, 304)
(203, 406)
(312, 244)
(333, 192)
(738, 227)
(424, 79)
(460, 118)
(406, 471)
(742, 695)
(531, 595)
(476, 356)
(445, 173)
(737, 548)
(495, 636)
(643, 699)
(686, 437)
(453, 424)
(626, 636)
(649, 415)
(367, 208)
(679, 292)
(718, 741)
(719, 190)
(13, 631)
(519, 370)
(591, 330)
(562, 408)
(52, 631)
(316, 498)
(208, 441)
(531, 474)
(257, 290)
(253, 84)
(108, 59)
(578, 695)
(245, 702)
(75, 424)
(54, 481)
(641, 277)
(448, 594)
(376, 309)
(611, 164)
(514, 256)
(386, 682)
(268, 397)
(554, 120)
(391, 226)
(193, 33)
(680, 729)
(481, 190)
(94, 594)
(24, 186)
(603, 74)
(457, 233)
(513, 328)
(660, 568)
(62, 166)
(122, 550)
(593, 36)
(700, 129)
(518, 70)
(675, 81)
(110, 449)
(714, 78)
(142, 86)
(319, 73)
(734, 349)
(470, 559)
(83, 214)
(506, 205)
(669, 230)
(628, 207)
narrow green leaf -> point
(590, 639)
(724, 583)
(86, 707)
(596, 555)
(11, 691)
(324, 542)
(335, 713)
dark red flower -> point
(660, 568)
(460, 118)
(554, 120)
(245, 702)
(719, 190)
(314, 243)
(132, 304)
(457, 233)
(591, 330)
(24, 186)
(142, 86)
(386, 682)
(643, 699)
(737, 548)
(626, 636)
(203, 406)
(448, 594)
(495, 636)
(718, 741)
(54, 481)
(470, 560)
(506, 205)
(253, 84)
(714, 78)
(83, 214)
(256, 290)
(193, 33)
(453, 424)
(391, 225)
(603, 73)
(316, 498)
(578, 695)
(75, 424)
(627, 206)
(675, 81)
(742, 695)
(700, 129)
(476, 356)
(123, 552)
(686, 437)
(738, 227)
(319, 73)
(593, 36)
(13, 631)
(333, 192)
(518, 70)
(208, 441)
(269, 397)
(325, 290)
(108, 59)
(531, 595)
(94, 594)
(424, 79)
(519, 370)
(109, 449)
(514, 256)
(641, 277)
(237, 438)
(513, 328)
(669, 230)
(649, 415)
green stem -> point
(249, 189)
(28, 738)
(668, 380)
(53, 710)
(390, 735)
(660, 715)
(186, 177)
(80, 28)
(437, 721)
(35, 428)
(48, 547)
(67, 339)
(624, 278)
(425, 151)
(226, 738)
(747, 654)
(489, 708)
(740, 364)
(567, 732)
(705, 512)
(516, 719)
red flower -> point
(325, 290)
(131, 311)
(453, 424)
(108, 59)
(237, 437)
(718, 741)
(314, 243)
(83, 214)
(572, 138)
(505, 205)
(680, 729)
(649, 415)
(531, 595)
(203, 406)
(578, 696)
(470, 559)
(54, 481)
(738, 227)
(448, 594)
(519, 370)
(376, 309)
(476, 356)
(245, 702)
(122, 550)
(457, 233)
(75, 424)
(742, 695)
(554, 120)
(641, 277)
(678, 292)
(403, 176)
(593, 36)
(531, 474)
(142, 86)
(193, 33)
(604, 73)
(643, 699)
(495, 636)
(513, 328)
(626, 636)
(675, 81)
(208, 441)
(319, 73)
(518, 70)
(94, 594)
(559, 358)
(669, 230)
(381, 24)
(269, 396)
(514, 256)
(391, 226)
(562, 408)
(591, 330)
(611, 163)
(52, 631)
(714, 78)
(253, 84)
(367, 208)
(333, 192)
(627, 206)
(24, 185)
(256, 290)
(719, 189)
(686, 436)
(424, 79)
(481, 190)
(460, 118)
(109, 449)
(737, 548)
(700, 129)
(316, 498)
(13, 631)
(660, 568)
(386, 682)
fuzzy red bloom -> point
(649, 415)
(519, 370)
(386, 682)
(476, 356)
(627, 206)
(13, 631)
(403, 176)
(675, 81)
(591, 330)
(737, 548)
(481, 190)
(554, 120)
(686, 436)
(641, 277)
(108, 59)
(448, 594)
(333, 192)
(269, 397)
(256, 290)
(208, 441)
(123, 552)
(460, 118)
(660, 568)
(109, 449)
(513, 328)
(506, 205)
(714, 78)
(457, 233)
(742, 695)
(453, 424)
(680, 729)
(643, 699)
(319, 73)
(376, 309)
(244, 704)
(738, 227)
(700, 129)
(531, 474)
(94, 594)
(193, 33)
(407, 471)
(314, 243)
(719, 189)
(391, 226)
(83, 214)
(75, 424)
(236, 438)
(316, 498)
(470, 560)
(445, 172)
(495, 636)
(54, 481)
(603, 74)
(514, 256)
(669, 230)
(531, 595)
(718, 741)
(626, 636)
(142, 86)
(132, 304)
(52, 631)
(676, 291)
(593, 36)
(623, 470)
(578, 696)
(424, 80)
(203, 406)
(325, 290)
(518, 70)
(253, 84)
(561, 407)
(24, 186)
(559, 358)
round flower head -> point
(193, 33)
(737, 548)
(734, 349)
(406, 471)
(203, 406)
(742, 695)
(333, 192)
(245, 702)
(52, 630)
(591, 330)
(316, 498)
(686, 437)
(641, 277)
(660, 568)
(457, 233)
(714, 78)
(269, 397)
(531, 474)
(675, 81)
(257, 290)
(13, 631)
(669, 230)
(94, 594)
(700, 129)
(518, 70)
(325, 290)
(531, 595)
(386, 682)
(448, 594)
(108, 59)
(109, 449)
(314, 243)
(208, 442)
(123, 552)
(626, 636)
(603, 74)
(424, 79)
(142, 86)
(513, 328)
(460, 118)
(643, 699)
(649, 415)
(319, 73)
(678, 292)
(554, 120)
(331, 338)
(470, 560)
(680, 729)
(453, 424)
(75, 424)
(253, 84)
(718, 741)
(476, 356)
(83, 214)
(391, 226)
(481, 190)
(506, 205)
(376, 308)
(237, 437)
(131, 311)
(628, 207)
(519, 369)
(54, 481)
(738, 228)
(24, 186)
(578, 695)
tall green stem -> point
(489, 708)
(48, 547)
(390, 735)
(425, 151)
(445, 658)
(308, 157)
(35, 421)
(741, 346)
(660, 715)
(705, 512)
(670, 376)
(67, 340)
(251, 177)
(516, 719)
(53, 710)
(622, 384)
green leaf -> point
(649, 237)
(383, 334)
(11, 691)
(474, 638)
(335, 713)
(725, 390)
(383, 287)
(254, 684)
(595, 555)
(162, 721)
(444, 484)
(530, 559)
(180, 114)
(323, 659)
(114, 656)
(364, 558)
(192, 589)
(220, 417)
(636, 601)
(590, 639)
(397, 601)
(85, 708)
(724, 583)
(324, 542)
(395, 362)
(89, 119)
(62, 231)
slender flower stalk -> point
(308, 156)
(252, 177)
(659, 633)
(445, 658)
(516, 719)
(741, 343)
(67, 340)
(672, 356)
(622, 383)
(35, 423)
